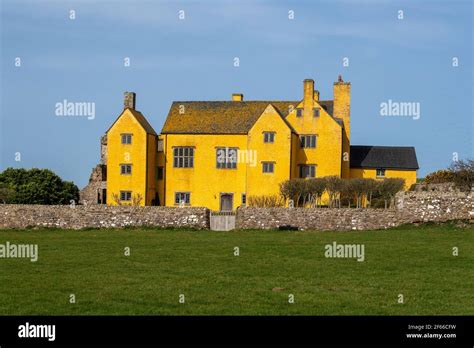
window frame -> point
(318, 112)
(309, 166)
(160, 145)
(243, 198)
(127, 165)
(186, 194)
(304, 141)
(268, 165)
(299, 112)
(160, 170)
(185, 159)
(127, 198)
(269, 137)
(126, 136)
(226, 164)
(377, 175)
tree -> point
(333, 188)
(37, 186)
(315, 188)
(347, 192)
(371, 187)
(463, 174)
(389, 187)
(6, 193)
(289, 189)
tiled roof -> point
(143, 121)
(395, 157)
(219, 117)
(140, 119)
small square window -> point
(380, 173)
(160, 173)
(316, 112)
(159, 145)
(125, 195)
(125, 169)
(268, 137)
(126, 138)
(299, 112)
(182, 198)
(244, 199)
(268, 167)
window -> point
(380, 173)
(308, 171)
(183, 157)
(159, 145)
(125, 169)
(244, 199)
(226, 157)
(159, 173)
(268, 167)
(299, 112)
(268, 137)
(316, 112)
(308, 141)
(182, 198)
(126, 138)
(125, 195)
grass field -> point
(417, 262)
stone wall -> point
(436, 205)
(411, 207)
(93, 193)
(318, 218)
(64, 216)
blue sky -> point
(82, 60)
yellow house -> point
(218, 153)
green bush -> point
(35, 186)
(463, 174)
(439, 177)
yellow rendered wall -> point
(408, 175)
(205, 182)
(327, 154)
(342, 110)
(134, 154)
(279, 152)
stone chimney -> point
(129, 100)
(237, 97)
(308, 95)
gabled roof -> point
(219, 117)
(391, 157)
(140, 119)
(225, 117)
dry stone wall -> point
(22, 216)
(411, 207)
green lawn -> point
(414, 261)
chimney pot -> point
(129, 100)
(316, 95)
(237, 97)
